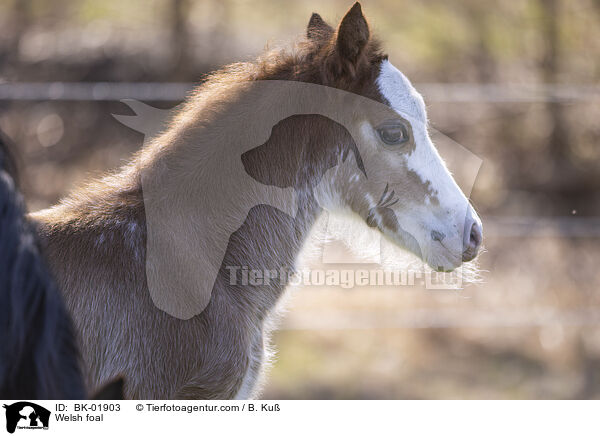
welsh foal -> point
(97, 240)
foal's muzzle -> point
(472, 238)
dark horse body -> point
(39, 356)
(38, 352)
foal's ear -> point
(352, 34)
(113, 390)
(317, 27)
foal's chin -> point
(443, 261)
(441, 257)
(438, 257)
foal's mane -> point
(313, 59)
(316, 58)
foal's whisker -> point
(392, 194)
(392, 203)
(387, 197)
(381, 200)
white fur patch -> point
(400, 93)
(405, 100)
(426, 162)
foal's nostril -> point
(472, 240)
(475, 237)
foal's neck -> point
(108, 221)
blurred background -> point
(516, 83)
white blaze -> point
(427, 163)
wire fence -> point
(177, 91)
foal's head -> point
(403, 188)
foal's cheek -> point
(394, 172)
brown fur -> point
(95, 239)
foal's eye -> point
(394, 133)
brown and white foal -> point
(383, 168)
